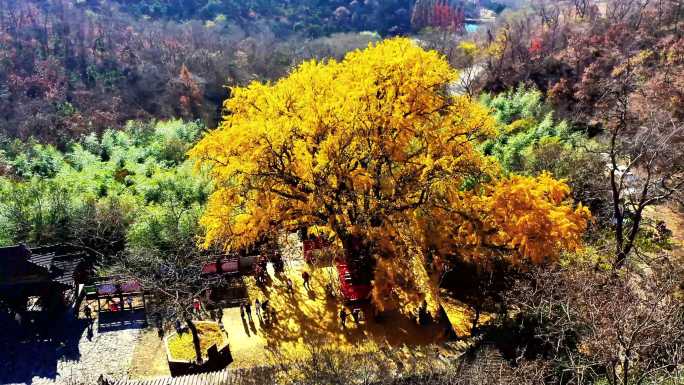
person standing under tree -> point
(257, 306)
(196, 306)
(160, 325)
(248, 310)
(306, 277)
(265, 310)
(88, 312)
(343, 317)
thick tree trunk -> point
(625, 246)
(357, 254)
(625, 369)
(195, 339)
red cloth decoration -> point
(350, 290)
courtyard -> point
(303, 321)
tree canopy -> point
(373, 151)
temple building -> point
(42, 278)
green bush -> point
(526, 125)
(131, 188)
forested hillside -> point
(581, 53)
(310, 17)
(67, 71)
(69, 68)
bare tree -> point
(631, 12)
(174, 280)
(627, 329)
(583, 7)
(645, 161)
(171, 270)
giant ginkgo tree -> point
(374, 151)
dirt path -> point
(149, 357)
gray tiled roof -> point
(56, 263)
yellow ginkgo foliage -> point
(373, 150)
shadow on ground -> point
(34, 350)
(109, 322)
(306, 318)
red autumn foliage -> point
(441, 14)
(569, 56)
(447, 17)
(536, 46)
(65, 71)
